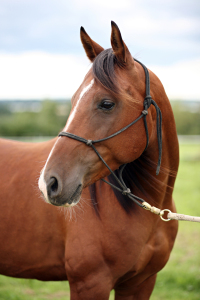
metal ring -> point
(162, 213)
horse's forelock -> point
(104, 70)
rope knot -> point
(145, 112)
(89, 142)
(126, 191)
(147, 101)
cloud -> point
(181, 80)
(43, 56)
(150, 27)
(39, 75)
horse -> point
(95, 233)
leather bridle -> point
(147, 102)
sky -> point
(41, 55)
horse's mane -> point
(104, 71)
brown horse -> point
(109, 242)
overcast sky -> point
(41, 54)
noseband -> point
(147, 103)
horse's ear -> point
(119, 47)
(92, 49)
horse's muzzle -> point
(59, 197)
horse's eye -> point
(106, 105)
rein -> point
(148, 101)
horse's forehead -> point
(86, 88)
(89, 87)
(81, 96)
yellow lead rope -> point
(170, 215)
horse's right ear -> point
(92, 49)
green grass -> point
(23, 289)
(180, 279)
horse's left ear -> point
(119, 47)
(92, 49)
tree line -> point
(42, 118)
(48, 118)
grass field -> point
(180, 279)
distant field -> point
(180, 279)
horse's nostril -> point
(54, 184)
(53, 187)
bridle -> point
(147, 102)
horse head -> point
(110, 97)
